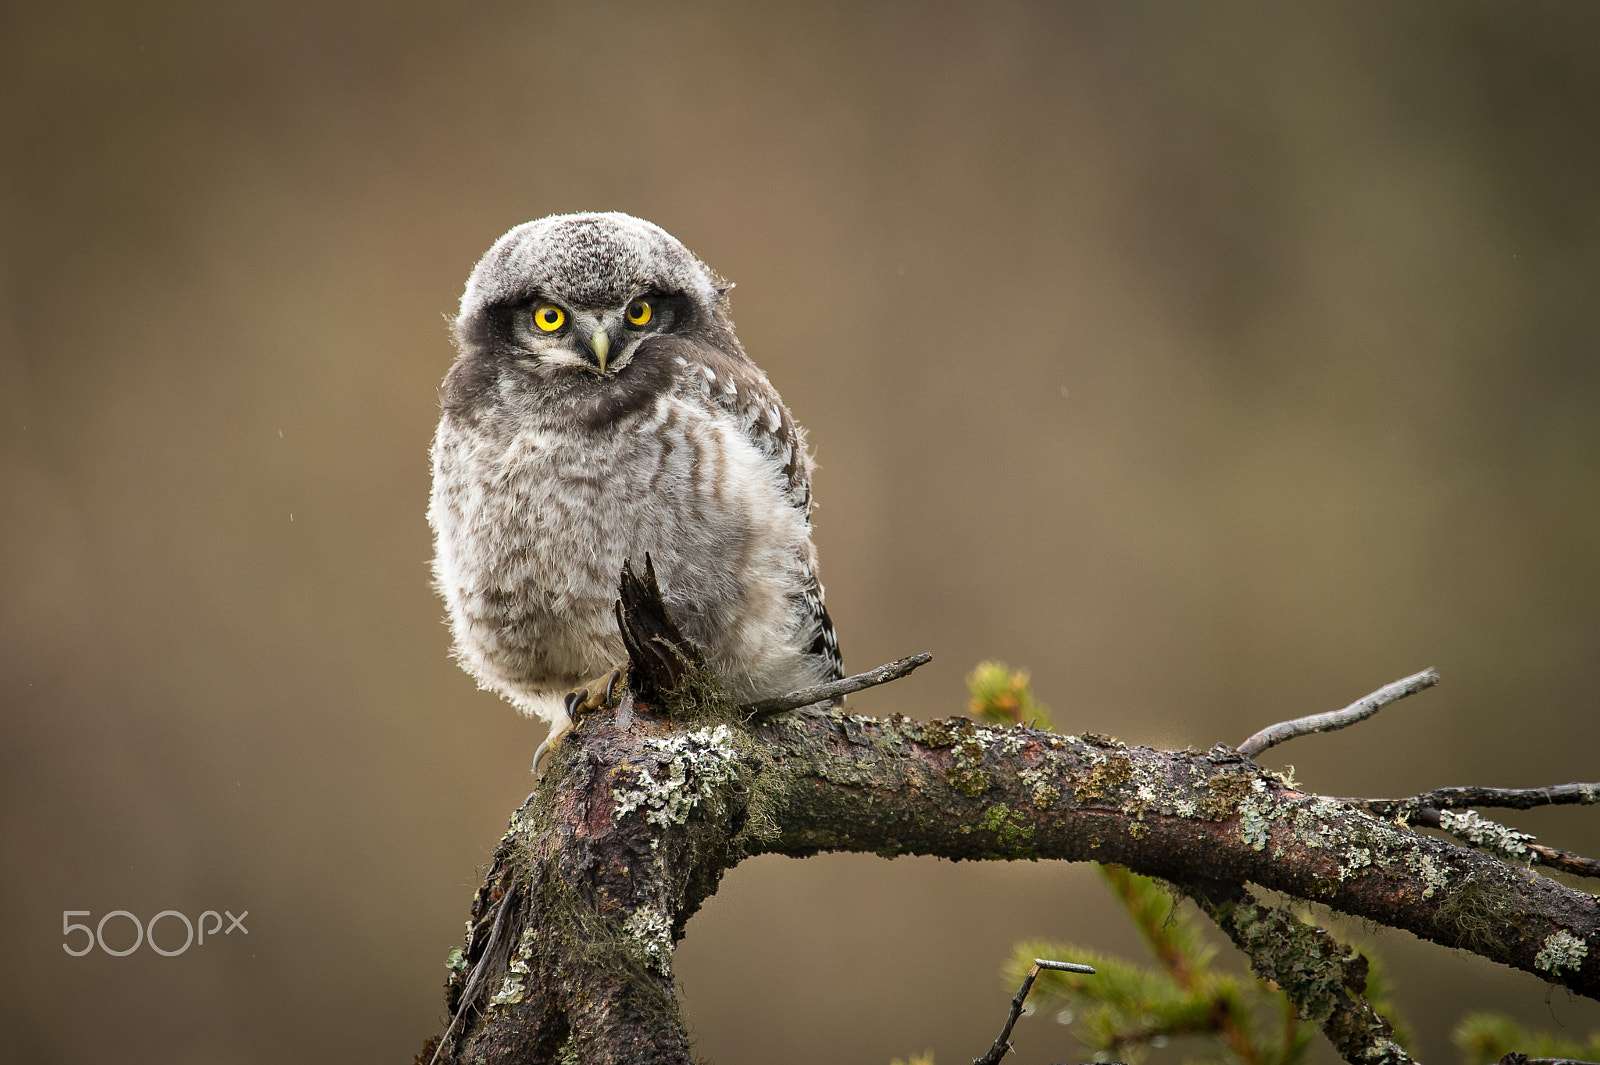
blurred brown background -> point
(1219, 363)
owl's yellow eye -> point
(549, 318)
(639, 313)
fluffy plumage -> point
(561, 452)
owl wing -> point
(736, 385)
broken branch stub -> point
(660, 656)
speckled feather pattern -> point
(546, 478)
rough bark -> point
(645, 807)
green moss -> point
(588, 938)
(699, 696)
(1013, 835)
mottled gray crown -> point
(587, 260)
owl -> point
(601, 409)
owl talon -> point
(581, 701)
(598, 693)
(539, 755)
(613, 679)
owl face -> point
(597, 340)
(574, 296)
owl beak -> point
(600, 344)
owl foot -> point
(594, 695)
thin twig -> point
(1003, 1044)
(1333, 720)
(835, 688)
(1494, 798)
(1566, 861)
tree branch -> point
(1500, 840)
(631, 829)
(1494, 798)
(1333, 720)
(642, 811)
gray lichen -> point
(1482, 832)
(510, 993)
(652, 931)
(1040, 790)
(693, 765)
(1561, 950)
(1253, 827)
(1427, 872)
(1352, 859)
(1110, 772)
(1381, 1051)
(967, 775)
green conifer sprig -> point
(1000, 696)
(1488, 1037)
(1126, 1010)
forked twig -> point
(1003, 1044)
(1334, 720)
(835, 688)
(1469, 828)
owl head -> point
(572, 297)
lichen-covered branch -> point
(1325, 980)
(961, 791)
(1471, 827)
(643, 809)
